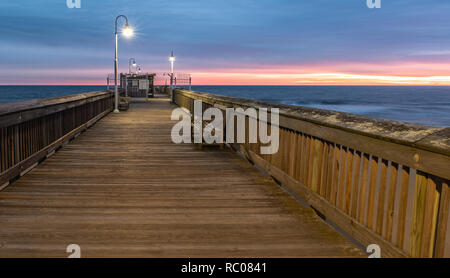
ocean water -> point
(22, 93)
(429, 105)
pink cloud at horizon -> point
(407, 73)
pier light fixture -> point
(127, 32)
(171, 59)
(131, 63)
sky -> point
(230, 42)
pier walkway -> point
(123, 189)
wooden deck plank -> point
(123, 189)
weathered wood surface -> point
(31, 130)
(400, 132)
(122, 189)
(425, 148)
(30, 109)
(381, 181)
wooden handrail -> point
(383, 182)
(32, 130)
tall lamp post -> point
(171, 59)
(127, 32)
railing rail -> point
(383, 182)
(32, 130)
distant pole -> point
(127, 31)
(107, 83)
(172, 60)
(190, 83)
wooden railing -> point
(382, 182)
(32, 130)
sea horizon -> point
(249, 85)
(405, 103)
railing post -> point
(441, 245)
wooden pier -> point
(115, 184)
(123, 189)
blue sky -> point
(43, 41)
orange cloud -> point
(314, 79)
(411, 73)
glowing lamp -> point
(127, 31)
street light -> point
(127, 32)
(171, 59)
(131, 62)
